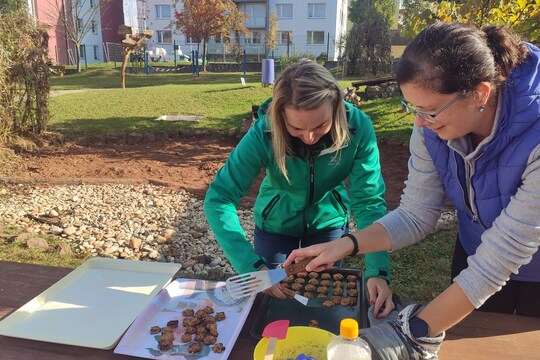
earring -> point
(481, 108)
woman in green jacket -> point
(309, 141)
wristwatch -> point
(418, 327)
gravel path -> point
(142, 222)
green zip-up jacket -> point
(315, 200)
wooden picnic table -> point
(481, 336)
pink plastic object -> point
(276, 330)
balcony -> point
(256, 22)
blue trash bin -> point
(267, 76)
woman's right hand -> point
(326, 254)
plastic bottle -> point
(348, 345)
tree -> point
(523, 16)
(367, 48)
(8, 6)
(203, 19)
(271, 40)
(361, 11)
(78, 18)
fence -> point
(112, 52)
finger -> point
(372, 291)
(294, 255)
(318, 264)
(379, 306)
(279, 294)
(275, 292)
(302, 253)
(387, 309)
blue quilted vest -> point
(497, 172)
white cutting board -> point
(93, 305)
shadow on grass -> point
(122, 125)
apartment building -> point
(97, 20)
(304, 27)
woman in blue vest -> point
(475, 94)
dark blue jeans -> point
(275, 248)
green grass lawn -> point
(12, 249)
(219, 97)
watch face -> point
(419, 328)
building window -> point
(315, 37)
(253, 10)
(79, 24)
(82, 50)
(218, 39)
(254, 37)
(285, 37)
(164, 36)
(284, 11)
(163, 11)
(96, 52)
(92, 3)
(191, 40)
(316, 11)
(94, 27)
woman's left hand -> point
(380, 296)
(275, 290)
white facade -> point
(304, 27)
(310, 26)
(91, 44)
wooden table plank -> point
(487, 336)
(20, 283)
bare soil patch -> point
(189, 163)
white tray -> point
(93, 305)
(168, 305)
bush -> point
(285, 60)
(322, 58)
(24, 75)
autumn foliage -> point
(203, 19)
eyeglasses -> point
(427, 116)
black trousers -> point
(516, 297)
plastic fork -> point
(247, 284)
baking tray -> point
(93, 305)
(272, 308)
(168, 305)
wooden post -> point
(130, 45)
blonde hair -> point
(305, 85)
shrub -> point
(285, 60)
(24, 75)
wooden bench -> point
(373, 81)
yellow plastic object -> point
(300, 339)
(348, 328)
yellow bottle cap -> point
(348, 328)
